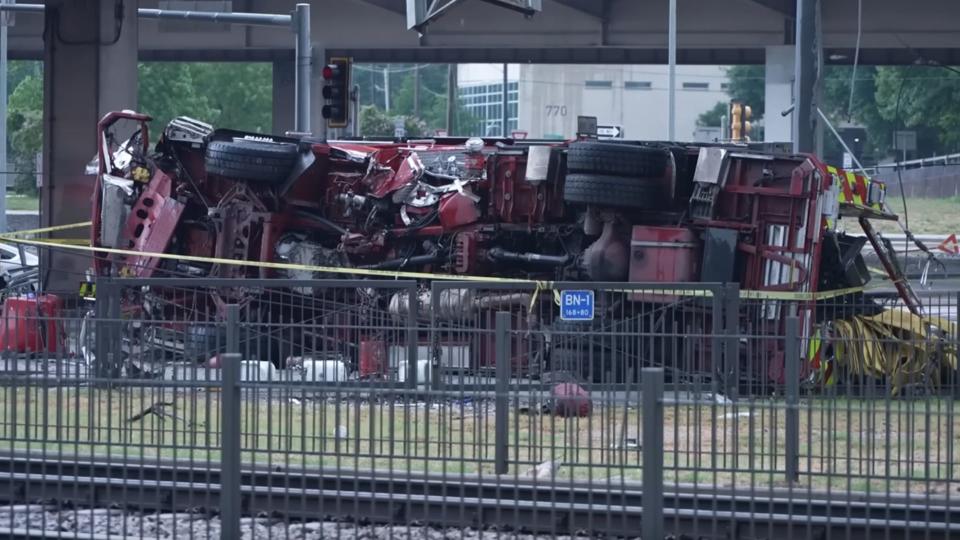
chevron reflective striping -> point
(858, 197)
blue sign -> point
(576, 305)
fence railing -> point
(207, 408)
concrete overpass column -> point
(90, 68)
(778, 95)
(284, 95)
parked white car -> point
(10, 258)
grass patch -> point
(22, 202)
(843, 442)
(927, 216)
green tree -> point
(925, 106)
(431, 100)
(746, 84)
(712, 117)
(925, 99)
(376, 123)
(234, 95)
(240, 94)
(168, 90)
(25, 130)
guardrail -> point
(950, 159)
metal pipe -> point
(451, 98)
(672, 59)
(304, 75)
(502, 255)
(299, 22)
(416, 260)
(259, 19)
(23, 8)
(4, 175)
(505, 116)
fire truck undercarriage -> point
(587, 210)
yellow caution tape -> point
(13, 236)
(783, 295)
(55, 228)
(70, 241)
(76, 245)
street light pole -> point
(672, 58)
(5, 173)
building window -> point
(638, 85)
(696, 86)
(725, 86)
(599, 84)
(485, 103)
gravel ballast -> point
(116, 523)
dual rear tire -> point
(616, 175)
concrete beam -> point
(784, 7)
(90, 68)
(552, 55)
(393, 6)
(592, 8)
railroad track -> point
(458, 501)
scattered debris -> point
(570, 399)
(161, 409)
(630, 443)
(544, 471)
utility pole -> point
(672, 58)
(5, 174)
(416, 90)
(386, 88)
(506, 102)
(805, 77)
(451, 97)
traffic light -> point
(336, 92)
(740, 126)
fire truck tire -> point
(617, 191)
(617, 159)
(257, 161)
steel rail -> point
(613, 509)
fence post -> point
(230, 445)
(107, 355)
(652, 437)
(413, 349)
(731, 330)
(502, 419)
(792, 374)
(233, 328)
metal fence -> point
(196, 408)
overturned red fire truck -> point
(585, 210)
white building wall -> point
(634, 97)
